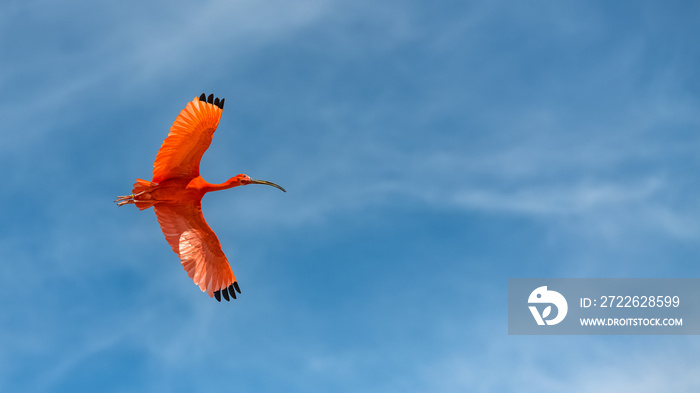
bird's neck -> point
(209, 187)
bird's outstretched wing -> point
(198, 248)
(189, 137)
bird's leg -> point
(123, 200)
(127, 199)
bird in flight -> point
(176, 193)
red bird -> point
(176, 193)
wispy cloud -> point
(579, 365)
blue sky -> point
(431, 150)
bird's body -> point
(176, 192)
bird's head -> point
(245, 180)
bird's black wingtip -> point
(232, 291)
(227, 293)
(211, 100)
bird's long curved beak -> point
(269, 183)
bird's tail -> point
(141, 195)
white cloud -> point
(583, 364)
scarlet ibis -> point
(176, 192)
